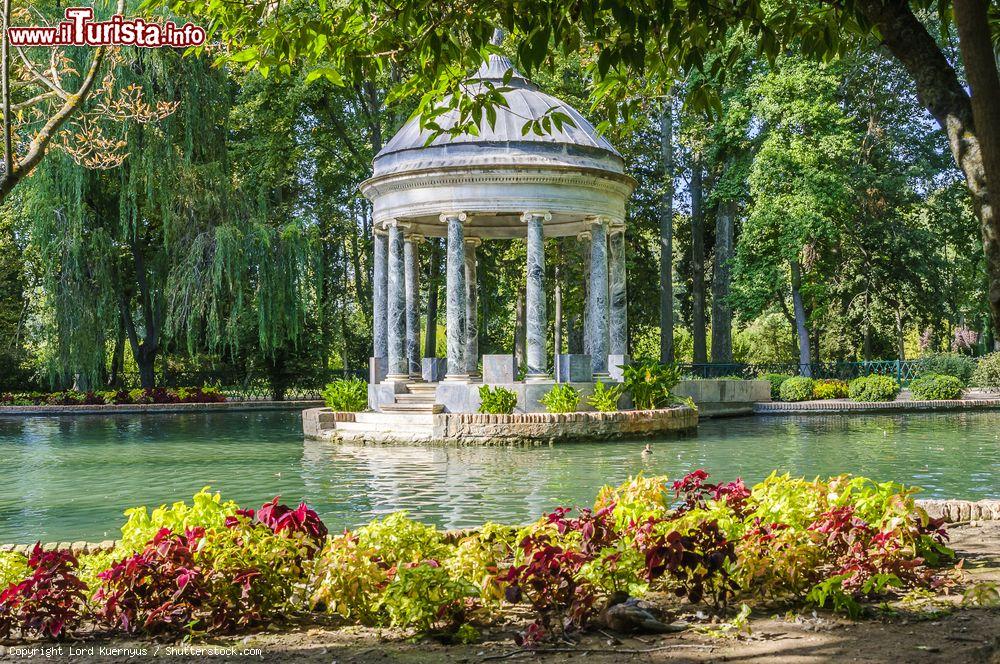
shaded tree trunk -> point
(118, 355)
(722, 311)
(972, 125)
(433, 277)
(667, 232)
(801, 331)
(698, 262)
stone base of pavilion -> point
(458, 429)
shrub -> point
(13, 568)
(347, 395)
(424, 594)
(987, 373)
(497, 400)
(797, 388)
(830, 388)
(948, 364)
(49, 601)
(650, 383)
(775, 379)
(561, 399)
(936, 387)
(873, 388)
(605, 399)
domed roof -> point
(505, 143)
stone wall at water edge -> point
(484, 429)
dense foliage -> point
(605, 398)
(649, 383)
(935, 387)
(497, 400)
(830, 388)
(213, 567)
(873, 388)
(562, 398)
(347, 395)
(949, 364)
(134, 396)
(987, 373)
(776, 380)
(798, 388)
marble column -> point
(537, 318)
(411, 261)
(471, 306)
(398, 370)
(584, 239)
(380, 292)
(618, 329)
(456, 294)
(598, 299)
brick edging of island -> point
(834, 406)
(143, 408)
(953, 511)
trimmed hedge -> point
(936, 387)
(830, 388)
(776, 380)
(873, 388)
(798, 388)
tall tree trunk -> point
(868, 326)
(722, 310)
(667, 231)
(118, 355)
(801, 331)
(433, 277)
(972, 125)
(698, 262)
(900, 335)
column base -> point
(537, 377)
(456, 378)
(602, 376)
(397, 378)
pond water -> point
(70, 478)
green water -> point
(69, 478)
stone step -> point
(412, 408)
(415, 398)
(395, 418)
(422, 388)
(385, 427)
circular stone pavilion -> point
(499, 185)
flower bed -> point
(115, 397)
(212, 567)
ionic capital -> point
(597, 221)
(528, 216)
(415, 238)
(396, 223)
(446, 216)
(473, 242)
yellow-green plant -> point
(401, 540)
(346, 395)
(497, 400)
(605, 398)
(347, 579)
(561, 398)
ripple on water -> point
(70, 478)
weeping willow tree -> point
(162, 251)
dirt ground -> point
(938, 629)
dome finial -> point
(498, 35)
